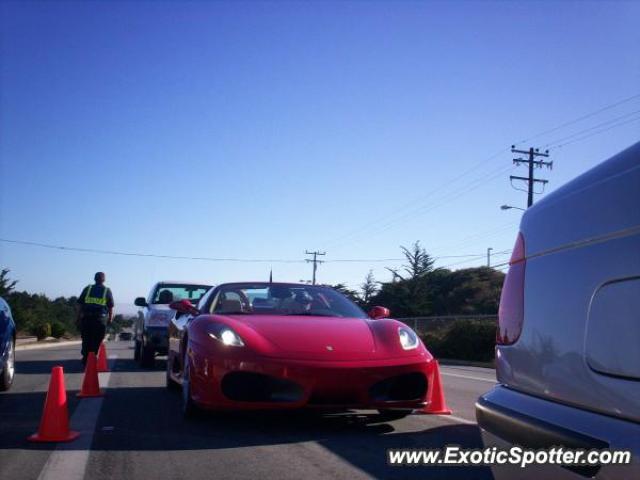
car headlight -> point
(408, 339)
(227, 337)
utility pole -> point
(489, 256)
(531, 163)
(315, 262)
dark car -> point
(7, 346)
(125, 336)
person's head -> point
(165, 297)
(99, 277)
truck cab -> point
(150, 328)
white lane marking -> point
(469, 369)
(69, 460)
(455, 418)
(469, 377)
(42, 346)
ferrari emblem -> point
(330, 348)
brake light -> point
(511, 311)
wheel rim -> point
(11, 361)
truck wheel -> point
(147, 356)
(8, 373)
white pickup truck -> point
(150, 329)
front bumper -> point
(270, 383)
(158, 338)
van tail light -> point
(511, 311)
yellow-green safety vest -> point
(100, 301)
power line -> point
(366, 227)
(447, 198)
(149, 255)
(212, 259)
(462, 262)
(580, 118)
(474, 238)
(337, 241)
(502, 265)
(602, 124)
(423, 209)
(596, 133)
(375, 260)
(477, 257)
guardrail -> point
(422, 325)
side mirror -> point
(184, 306)
(140, 302)
(379, 312)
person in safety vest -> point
(95, 312)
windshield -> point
(278, 299)
(167, 293)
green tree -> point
(57, 330)
(6, 285)
(29, 310)
(347, 292)
(419, 263)
(119, 324)
(418, 289)
(409, 293)
(368, 289)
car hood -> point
(159, 315)
(159, 307)
(314, 337)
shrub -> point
(433, 342)
(41, 330)
(57, 330)
(472, 340)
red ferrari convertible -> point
(283, 346)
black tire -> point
(189, 408)
(136, 351)
(147, 356)
(8, 372)
(391, 415)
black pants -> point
(92, 329)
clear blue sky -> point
(259, 130)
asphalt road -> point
(136, 431)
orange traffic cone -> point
(102, 359)
(90, 381)
(54, 425)
(436, 404)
